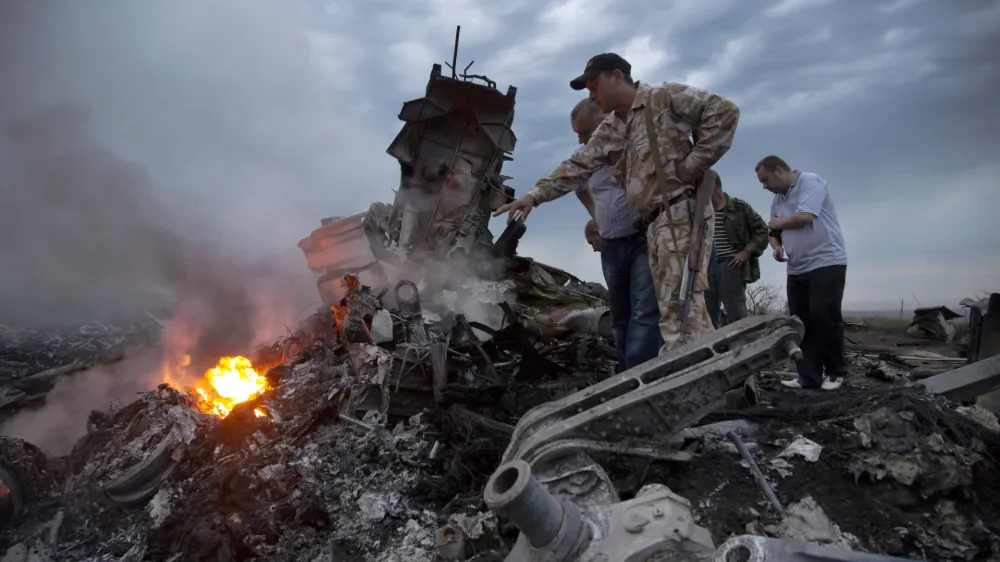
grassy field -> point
(895, 325)
(881, 323)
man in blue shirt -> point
(805, 233)
(635, 314)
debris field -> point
(325, 475)
(371, 432)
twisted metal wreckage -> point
(451, 151)
(551, 483)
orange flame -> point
(339, 314)
(232, 381)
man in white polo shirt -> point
(805, 233)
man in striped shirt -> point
(740, 239)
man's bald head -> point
(586, 108)
(585, 118)
(593, 235)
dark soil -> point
(885, 516)
(724, 495)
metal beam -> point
(968, 382)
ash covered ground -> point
(878, 466)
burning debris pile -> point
(342, 449)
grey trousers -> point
(726, 288)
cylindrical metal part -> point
(407, 297)
(515, 494)
(758, 475)
(793, 350)
(592, 321)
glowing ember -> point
(339, 314)
(232, 381)
(340, 311)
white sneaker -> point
(831, 384)
(794, 383)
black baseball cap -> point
(601, 63)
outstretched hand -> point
(524, 205)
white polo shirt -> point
(819, 243)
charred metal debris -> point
(454, 401)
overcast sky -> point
(254, 119)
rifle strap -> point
(654, 148)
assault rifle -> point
(699, 232)
(699, 225)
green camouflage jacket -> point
(745, 230)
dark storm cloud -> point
(156, 151)
(251, 118)
(891, 101)
(896, 108)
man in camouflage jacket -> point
(622, 143)
(740, 239)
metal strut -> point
(638, 410)
(565, 504)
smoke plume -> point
(168, 162)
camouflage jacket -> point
(620, 142)
(746, 230)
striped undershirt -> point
(722, 246)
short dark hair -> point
(772, 163)
(625, 76)
(718, 181)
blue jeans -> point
(635, 314)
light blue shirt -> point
(819, 243)
(614, 216)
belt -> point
(687, 194)
(643, 223)
(634, 236)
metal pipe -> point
(454, 56)
(761, 480)
(793, 350)
(514, 493)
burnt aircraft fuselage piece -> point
(451, 151)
